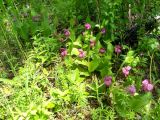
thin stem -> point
(98, 11)
(155, 70)
(150, 68)
(119, 69)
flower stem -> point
(150, 68)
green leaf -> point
(77, 43)
(50, 105)
(83, 71)
(94, 64)
(83, 62)
(109, 50)
(105, 66)
(45, 71)
(72, 36)
(106, 71)
(140, 101)
(130, 57)
(74, 51)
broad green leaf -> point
(72, 36)
(94, 64)
(130, 57)
(140, 101)
(106, 71)
(74, 51)
(109, 51)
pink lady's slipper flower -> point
(126, 70)
(81, 53)
(66, 33)
(147, 86)
(103, 31)
(118, 49)
(92, 43)
(63, 52)
(87, 26)
(131, 89)
(107, 80)
(102, 50)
